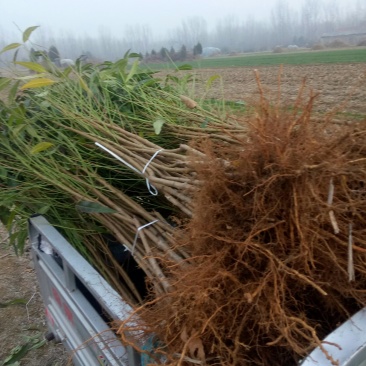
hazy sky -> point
(89, 16)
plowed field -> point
(335, 83)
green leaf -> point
(13, 91)
(32, 66)
(185, 67)
(45, 104)
(28, 32)
(43, 94)
(120, 66)
(3, 172)
(240, 102)
(10, 222)
(40, 147)
(10, 46)
(66, 72)
(13, 302)
(158, 124)
(125, 56)
(32, 131)
(93, 207)
(149, 83)
(172, 78)
(204, 123)
(43, 209)
(18, 129)
(4, 82)
(133, 55)
(18, 239)
(133, 70)
(38, 83)
(4, 214)
(38, 344)
(21, 240)
(15, 55)
(16, 354)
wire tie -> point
(149, 186)
(137, 233)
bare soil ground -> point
(339, 85)
(335, 83)
(18, 321)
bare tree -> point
(191, 31)
(282, 22)
(138, 38)
(228, 34)
(310, 19)
(331, 16)
(255, 36)
(356, 15)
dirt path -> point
(18, 321)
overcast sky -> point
(89, 16)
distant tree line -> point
(286, 26)
(53, 55)
(172, 55)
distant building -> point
(350, 36)
(210, 51)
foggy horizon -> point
(236, 25)
(88, 19)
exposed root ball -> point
(270, 271)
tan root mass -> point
(277, 244)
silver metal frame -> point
(347, 344)
(89, 339)
(71, 317)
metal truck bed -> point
(79, 303)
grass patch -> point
(355, 55)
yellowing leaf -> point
(28, 32)
(211, 80)
(38, 83)
(190, 103)
(40, 147)
(84, 85)
(10, 46)
(32, 66)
